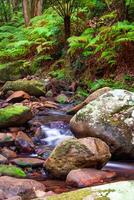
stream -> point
(54, 129)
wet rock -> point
(62, 98)
(11, 170)
(89, 99)
(32, 87)
(119, 190)
(8, 153)
(30, 162)
(6, 139)
(3, 160)
(88, 177)
(14, 115)
(24, 143)
(110, 118)
(24, 188)
(14, 198)
(77, 153)
(18, 96)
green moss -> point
(11, 111)
(11, 170)
(75, 195)
(32, 87)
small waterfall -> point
(55, 132)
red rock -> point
(8, 153)
(32, 162)
(88, 177)
(18, 96)
(24, 143)
(25, 188)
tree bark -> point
(36, 7)
(26, 11)
(67, 26)
(15, 5)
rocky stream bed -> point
(43, 154)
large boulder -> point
(14, 115)
(26, 188)
(32, 87)
(77, 153)
(111, 118)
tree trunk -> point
(15, 5)
(36, 7)
(26, 11)
(67, 26)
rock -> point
(8, 153)
(15, 198)
(25, 188)
(24, 143)
(2, 195)
(112, 191)
(11, 170)
(49, 93)
(88, 177)
(110, 118)
(30, 162)
(62, 98)
(14, 70)
(89, 99)
(14, 115)
(3, 160)
(6, 138)
(77, 153)
(18, 96)
(32, 87)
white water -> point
(54, 136)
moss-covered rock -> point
(111, 118)
(11, 170)
(14, 115)
(113, 191)
(77, 153)
(32, 87)
(15, 70)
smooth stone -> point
(6, 138)
(3, 159)
(24, 162)
(32, 87)
(25, 188)
(77, 153)
(24, 143)
(14, 115)
(111, 118)
(122, 190)
(88, 177)
(8, 153)
(18, 96)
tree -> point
(36, 7)
(65, 9)
(26, 11)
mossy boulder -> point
(15, 70)
(14, 115)
(119, 190)
(11, 170)
(32, 87)
(77, 153)
(111, 118)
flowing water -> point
(54, 129)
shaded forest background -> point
(89, 40)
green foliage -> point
(17, 42)
(59, 73)
(100, 83)
(107, 41)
